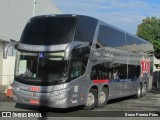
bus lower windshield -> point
(42, 66)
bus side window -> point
(93, 73)
(100, 71)
(76, 69)
(110, 75)
(109, 71)
(116, 75)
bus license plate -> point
(35, 88)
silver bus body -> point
(120, 62)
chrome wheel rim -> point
(102, 97)
(139, 91)
(90, 99)
(145, 88)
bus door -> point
(133, 76)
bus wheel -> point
(139, 92)
(144, 90)
(103, 98)
(91, 100)
(18, 105)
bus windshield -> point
(42, 66)
(49, 30)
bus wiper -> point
(58, 80)
(53, 80)
(61, 80)
(21, 75)
(18, 76)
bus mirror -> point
(71, 46)
(7, 46)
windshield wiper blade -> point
(21, 75)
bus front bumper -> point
(41, 99)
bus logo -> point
(145, 66)
(35, 88)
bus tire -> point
(103, 98)
(92, 99)
(139, 92)
(144, 90)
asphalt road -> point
(114, 108)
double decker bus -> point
(72, 60)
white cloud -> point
(125, 14)
(130, 4)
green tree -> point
(149, 30)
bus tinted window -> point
(133, 71)
(85, 29)
(111, 37)
(131, 43)
(143, 47)
(109, 71)
(78, 62)
(49, 30)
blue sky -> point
(124, 14)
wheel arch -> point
(94, 87)
(141, 84)
(106, 87)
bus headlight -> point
(59, 92)
(16, 89)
